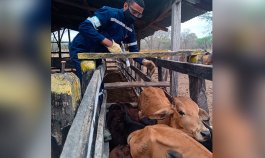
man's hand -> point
(115, 48)
(150, 65)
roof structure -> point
(157, 13)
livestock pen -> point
(85, 137)
(86, 121)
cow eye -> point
(181, 113)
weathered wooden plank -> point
(196, 70)
(173, 83)
(160, 73)
(99, 144)
(114, 66)
(127, 72)
(86, 77)
(133, 54)
(111, 61)
(130, 75)
(165, 72)
(197, 90)
(141, 74)
(138, 66)
(76, 144)
(175, 43)
(106, 150)
(135, 84)
(96, 111)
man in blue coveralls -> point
(105, 31)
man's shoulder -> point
(108, 8)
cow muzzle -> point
(206, 134)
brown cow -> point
(123, 119)
(120, 151)
(161, 141)
(184, 115)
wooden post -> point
(160, 73)
(175, 43)
(65, 99)
(59, 44)
(138, 78)
(69, 40)
(197, 90)
(99, 144)
(139, 43)
(69, 36)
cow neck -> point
(176, 121)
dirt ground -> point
(127, 94)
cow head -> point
(188, 117)
(162, 114)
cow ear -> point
(161, 114)
(204, 116)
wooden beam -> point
(59, 44)
(197, 90)
(127, 73)
(99, 144)
(111, 61)
(115, 85)
(157, 27)
(141, 74)
(175, 43)
(122, 69)
(114, 66)
(159, 18)
(160, 73)
(196, 70)
(133, 54)
(87, 8)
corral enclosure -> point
(122, 84)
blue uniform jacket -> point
(108, 23)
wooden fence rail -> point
(196, 70)
(134, 54)
(79, 140)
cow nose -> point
(206, 134)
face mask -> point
(130, 19)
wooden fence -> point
(85, 137)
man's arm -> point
(89, 29)
(132, 44)
(133, 47)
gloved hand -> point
(87, 65)
(115, 48)
(150, 65)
